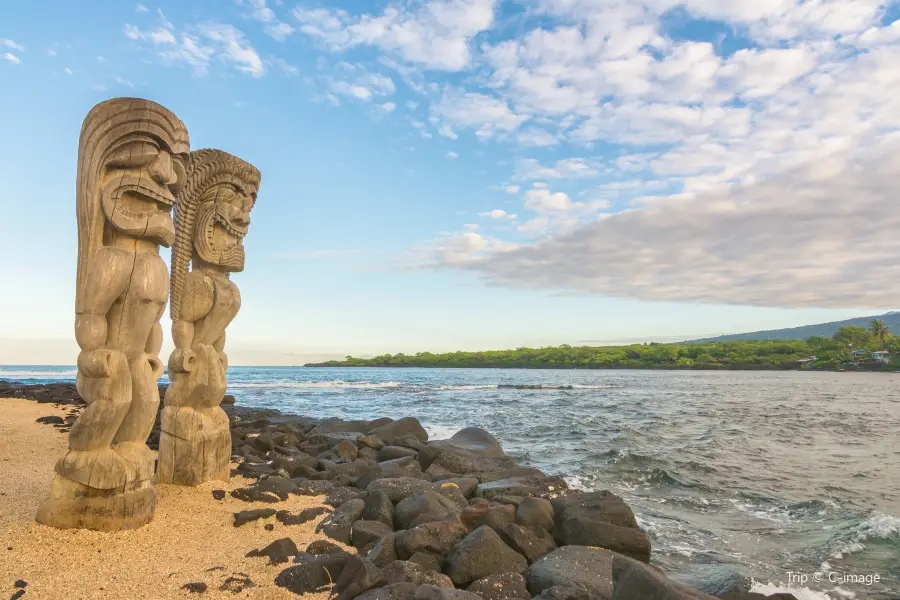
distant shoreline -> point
(860, 369)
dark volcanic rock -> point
(399, 488)
(457, 460)
(425, 507)
(279, 551)
(364, 534)
(338, 524)
(310, 487)
(530, 542)
(312, 573)
(599, 519)
(431, 592)
(379, 508)
(398, 591)
(495, 516)
(279, 486)
(437, 538)
(397, 430)
(252, 494)
(560, 592)
(426, 560)
(535, 511)
(337, 496)
(393, 452)
(573, 567)
(465, 485)
(371, 441)
(357, 576)
(401, 570)
(531, 485)
(245, 516)
(51, 420)
(236, 585)
(346, 449)
(218, 494)
(196, 587)
(286, 517)
(475, 440)
(633, 579)
(324, 547)
(383, 551)
(503, 586)
(479, 554)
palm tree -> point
(879, 330)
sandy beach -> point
(191, 538)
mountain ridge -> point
(891, 320)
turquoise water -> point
(769, 476)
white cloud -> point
(486, 114)
(274, 28)
(436, 34)
(286, 67)
(279, 31)
(68, 71)
(124, 82)
(205, 42)
(497, 213)
(12, 44)
(388, 107)
(452, 155)
(141, 8)
(447, 132)
(566, 168)
(457, 250)
(366, 86)
(536, 137)
(542, 200)
(12, 58)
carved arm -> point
(107, 280)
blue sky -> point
(444, 174)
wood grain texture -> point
(130, 166)
(212, 215)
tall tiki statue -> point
(212, 215)
(130, 168)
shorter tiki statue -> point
(212, 215)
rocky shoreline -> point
(419, 519)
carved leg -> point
(195, 442)
(131, 438)
(94, 486)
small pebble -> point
(218, 494)
(18, 595)
(269, 527)
(197, 587)
(20, 583)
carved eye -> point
(133, 153)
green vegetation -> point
(831, 353)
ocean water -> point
(788, 480)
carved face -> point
(140, 182)
(223, 218)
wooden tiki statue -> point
(212, 215)
(130, 168)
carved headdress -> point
(119, 133)
(214, 179)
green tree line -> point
(836, 352)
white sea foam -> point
(336, 384)
(4, 374)
(440, 432)
(877, 526)
(801, 593)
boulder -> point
(338, 524)
(397, 430)
(634, 579)
(279, 486)
(426, 560)
(503, 586)
(364, 534)
(401, 570)
(423, 508)
(346, 449)
(457, 460)
(452, 493)
(384, 551)
(536, 512)
(475, 440)
(599, 519)
(393, 452)
(310, 487)
(357, 576)
(245, 516)
(479, 554)
(531, 542)
(397, 591)
(431, 592)
(379, 508)
(495, 516)
(254, 494)
(578, 567)
(337, 496)
(323, 547)
(312, 573)
(436, 538)
(279, 551)
(398, 488)
(286, 517)
(370, 441)
(531, 485)
(465, 485)
(559, 592)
